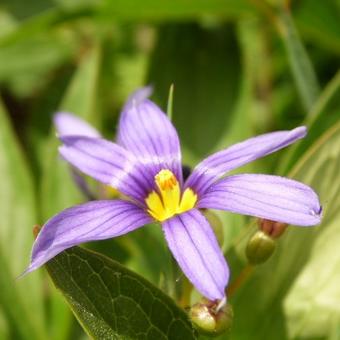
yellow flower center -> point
(168, 201)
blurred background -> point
(239, 68)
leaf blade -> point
(300, 63)
(18, 210)
(112, 302)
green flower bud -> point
(216, 225)
(259, 248)
(210, 320)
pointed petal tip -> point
(300, 131)
(316, 209)
(28, 270)
(217, 164)
(138, 97)
(265, 196)
(146, 131)
(91, 221)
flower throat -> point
(168, 201)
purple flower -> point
(145, 166)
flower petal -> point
(194, 246)
(70, 125)
(95, 220)
(216, 165)
(147, 132)
(137, 97)
(271, 197)
(108, 163)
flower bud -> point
(259, 248)
(209, 319)
(216, 224)
(36, 230)
(272, 228)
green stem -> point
(240, 280)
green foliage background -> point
(239, 68)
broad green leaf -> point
(18, 216)
(111, 302)
(311, 304)
(300, 63)
(272, 298)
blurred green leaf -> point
(175, 9)
(300, 63)
(58, 189)
(43, 23)
(319, 22)
(16, 8)
(193, 58)
(273, 286)
(7, 23)
(127, 10)
(111, 302)
(324, 114)
(251, 113)
(310, 305)
(18, 216)
(4, 329)
(42, 54)
(149, 255)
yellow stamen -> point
(168, 202)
